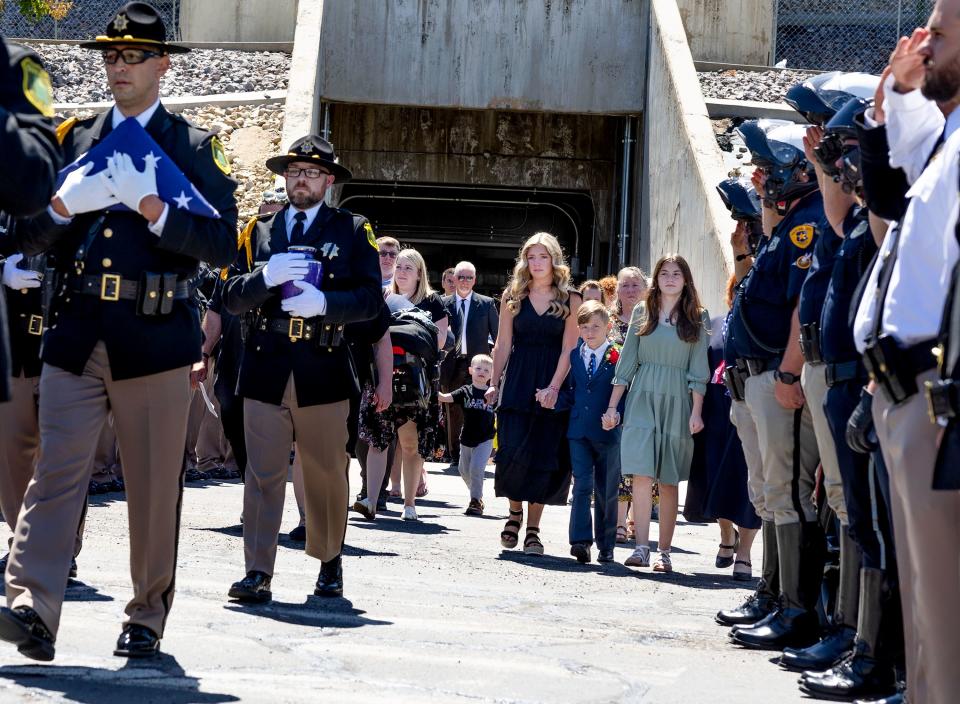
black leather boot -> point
(838, 640)
(862, 673)
(764, 601)
(330, 581)
(801, 552)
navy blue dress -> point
(718, 475)
(533, 457)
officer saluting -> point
(124, 332)
(296, 375)
(30, 150)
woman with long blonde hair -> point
(538, 330)
(664, 364)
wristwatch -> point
(786, 377)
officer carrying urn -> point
(303, 273)
(124, 332)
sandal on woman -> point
(509, 538)
(422, 486)
(663, 563)
(743, 575)
(621, 534)
(639, 558)
(724, 562)
(532, 544)
(631, 535)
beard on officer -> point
(296, 375)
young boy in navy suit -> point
(594, 452)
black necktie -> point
(296, 235)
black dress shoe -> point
(298, 534)
(858, 675)
(581, 551)
(252, 589)
(330, 581)
(24, 628)
(751, 611)
(73, 568)
(834, 647)
(137, 641)
(898, 698)
(605, 555)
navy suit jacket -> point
(588, 399)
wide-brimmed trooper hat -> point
(136, 23)
(312, 149)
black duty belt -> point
(810, 343)
(845, 371)
(323, 334)
(895, 368)
(755, 367)
(112, 287)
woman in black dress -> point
(538, 330)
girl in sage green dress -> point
(664, 363)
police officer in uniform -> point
(30, 150)
(869, 669)
(897, 326)
(296, 376)
(124, 332)
(741, 198)
(765, 331)
(839, 637)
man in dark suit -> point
(119, 337)
(474, 321)
(296, 375)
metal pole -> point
(773, 33)
(899, 16)
(627, 166)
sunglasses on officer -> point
(130, 57)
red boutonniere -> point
(613, 354)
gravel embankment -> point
(763, 86)
(78, 76)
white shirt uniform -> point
(927, 248)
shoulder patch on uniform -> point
(371, 238)
(802, 236)
(63, 129)
(220, 156)
(37, 87)
(804, 261)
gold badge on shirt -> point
(802, 236)
(805, 261)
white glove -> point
(308, 304)
(18, 278)
(81, 193)
(129, 185)
(281, 268)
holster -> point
(810, 343)
(895, 368)
(734, 380)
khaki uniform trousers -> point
(321, 435)
(20, 450)
(206, 446)
(788, 450)
(926, 527)
(150, 414)
(813, 379)
(747, 431)
(106, 459)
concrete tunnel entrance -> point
(474, 184)
(448, 223)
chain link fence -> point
(79, 19)
(856, 35)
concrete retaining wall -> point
(237, 20)
(574, 56)
(680, 208)
(729, 31)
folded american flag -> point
(130, 138)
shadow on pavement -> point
(318, 612)
(159, 679)
(556, 563)
(397, 525)
(76, 591)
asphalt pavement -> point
(434, 611)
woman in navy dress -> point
(538, 330)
